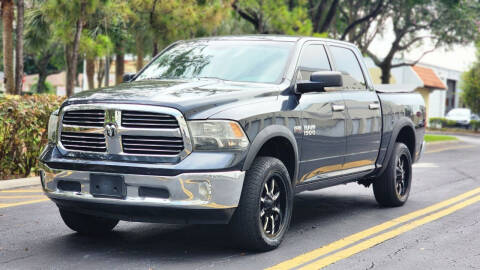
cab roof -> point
(273, 38)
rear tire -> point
(392, 188)
(87, 224)
(265, 209)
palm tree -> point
(40, 45)
(7, 20)
(19, 48)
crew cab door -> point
(323, 120)
(364, 118)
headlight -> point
(52, 127)
(217, 135)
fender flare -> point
(266, 134)
(401, 123)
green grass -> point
(439, 138)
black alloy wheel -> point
(265, 208)
(392, 188)
(272, 206)
(401, 176)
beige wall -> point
(426, 96)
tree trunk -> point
(119, 65)
(100, 73)
(19, 48)
(43, 72)
(42, 78)
(91, 72)
(72, 53)
(139, 49)
(386, 70)
(7, 21)
(155, 49)
(108, 64)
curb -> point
(453, 133)
(21, 182)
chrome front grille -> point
(124, 131)
(140, 119)
(90, 142)
(86, 118)
(152, 145)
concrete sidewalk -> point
(22, 182)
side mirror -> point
(319, 80)
(128, 77)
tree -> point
(443, 23)
(276, 17)
(161, 22)
(7, 22)
(94, 45)
(19, 47)
(69, 19)
(44, 50)
(322, 14)
(355, 17)
(471, 85)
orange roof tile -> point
(429, 78)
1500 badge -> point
(308, 130)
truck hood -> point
(194, 98)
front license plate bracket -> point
(107, 186)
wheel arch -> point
(404, 132)
(275, 141)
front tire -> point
(87, 224)
(265, 209)
(392, 188)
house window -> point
(451, 90)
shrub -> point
(437, 122)
(49, 88)
(475, 124)
(23, 132)
(451, 123)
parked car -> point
(227, 130)
(462, 116)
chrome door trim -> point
(340, 173)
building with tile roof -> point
(439, 86)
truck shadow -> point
(177, 244)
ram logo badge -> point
(110, 130)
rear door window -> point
(347, 63)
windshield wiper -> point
(208, 77)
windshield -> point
(459, 113)
(243, 61)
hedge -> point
(475, 124)
(443, 122)
(23, 132)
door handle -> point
(338, 108)
(374, 106)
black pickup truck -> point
(227, 130)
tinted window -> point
(258, 61)
(313, 58)
(347, 63)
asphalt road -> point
(336, 228)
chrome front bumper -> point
(202, 191)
